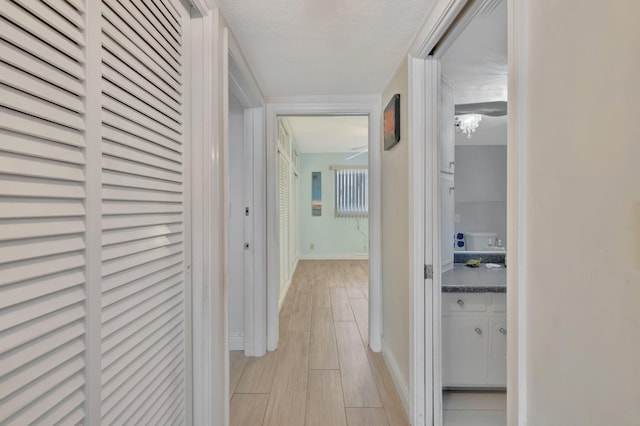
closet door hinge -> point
(428, 272)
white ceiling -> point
(476, 63)
(330, 134)
(324, 47)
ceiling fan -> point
(363, 150)
(493, 109)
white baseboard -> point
(398, 380)
(236, 341)
(335, 256)
(283, 294)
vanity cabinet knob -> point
(460, 302)
(503, 331)
(478, 330)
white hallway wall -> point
(582, 237)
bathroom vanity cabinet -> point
(474, 340)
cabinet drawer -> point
(464, 302)
(498, 302)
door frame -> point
(243, 85)
(425, 317)
(333, 105)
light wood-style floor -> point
(323, 372)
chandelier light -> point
(468, 123)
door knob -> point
(503, 331)
(478, 330)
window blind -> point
(352, 192)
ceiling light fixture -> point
(468, 123)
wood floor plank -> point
(396, 413)
(237, 362)
(325, 405)
(366, 417)
(323, 354)
(321, 296)
(358, 382)
(248, 409)
(288, 399)
(259, 374)
(360, 308)
(300, 315)
(340, 305)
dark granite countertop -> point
(463, 279)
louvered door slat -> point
(65, 9)
(157, 366)
(47, 31)
(155, 28)
(131, 349)
(161, 75)
(138, 147)
(137, 104)
(115, 178)
(40, 148)
(120, 151)
(25, 124)
(136, 168)
(123, 292)
(156, 10)
(119, 279)
(40, 49)
(140, 119)
(35, 350)
(42, 213)
(120, 64)
(144, 36)
(136, 130)
(40, 68)
(68, 376)
(158, 406)
(35, 86)
(28, 104)
(25, 186)
(67, 25)
(60, 413)
(126, 249)
(149, 95)
(123, 235)
(127, 222)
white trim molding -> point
(210, 322)
(396, 376)
(517, 142)
(326, 105)
(335, 256)
(236, 341)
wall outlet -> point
(312, 246)
(457, 218)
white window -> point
(352, 192)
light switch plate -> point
(457, 218)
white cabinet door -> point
(447, 213)
(447, 129)
(498, 351)
(464, 351)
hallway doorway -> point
(322, 197)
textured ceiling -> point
(476, 63)
(324, 47)
(330, 134)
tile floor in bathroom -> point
(462, 408)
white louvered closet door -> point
(42, 212)
(283, 193)
(143, 216)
